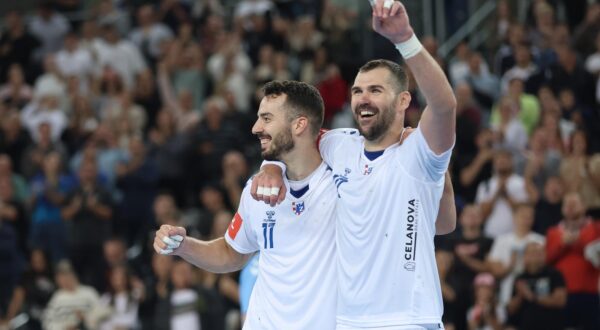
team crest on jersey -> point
(270, 216)
(368, 169)
(298, 208)
(339, 179)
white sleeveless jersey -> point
(296, 286)
(385, 222)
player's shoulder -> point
(342, 133)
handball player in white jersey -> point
(296, 286)
(389, 194)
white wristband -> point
(410, 47)
(273, 162)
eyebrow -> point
(354, 88)
(265, 114)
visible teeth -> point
(367, 113)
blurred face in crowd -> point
(212, 199)
(181, 275)
(534, 257)
(538, 141)
(88, 172)
(523, 218)
(553, 189)
(15, 74)
(5, 165)
(579, 143)
(114, 251)
(164, 206)
(38, 261)
(573, 208)
(471, 217)
(503, 163)
(273, 128)
(235, 163)
(161, 265)
(51, 164)
(6, 189)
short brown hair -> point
(400, 80)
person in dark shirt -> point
(16, 45)
(539, 294)
(470, 249)
(548, 208)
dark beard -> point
(381, 126)
(281, 144)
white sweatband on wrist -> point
(410, 47)
(270, 162)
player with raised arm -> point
(389, 194)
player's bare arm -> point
(438, 121)
(214, 256)
(446, 219)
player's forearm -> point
(446, 220)
(214, 256)
(432, 83)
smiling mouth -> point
(366, 112)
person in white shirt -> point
(389, 194)
(506, 256)
(500, 194)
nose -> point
(257, 127)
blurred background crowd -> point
(117, 116)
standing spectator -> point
(15, 92)
(137, 179)
(50, 27)
(146, 95)
(182, 107)
(549, 205)
(235, 175)
(14, 140)
(72, 304)
(500, 194)
(19, 185)
(48, 192)
(34, 155)
(539, 162)
(539, 294)
(470, 249)
(13, 213)
(154, 307)
(16, 45)
(577, 172)
(149, 34)
(506, 257)
(76, 61)
(564, 251)
(88, 211)
(476, 167)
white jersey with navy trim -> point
(296, 286)
(385, 223)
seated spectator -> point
(506, 257)
(13, 213)
(184, 299)
(49, 26)
(485, 85)
(485, 314)
(122, 298)
(565, 251)
(476, 167)
(44, 109)
(154, 304)
(470, 249)
(510, 132)
(75, 61)
(528, 107)
(34, 290)
(71, 306)
(11, 267)
(539, 293)
(150, 33)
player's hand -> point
(267, 185)
(169, 240)
(391, 20)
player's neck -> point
(389, 138)
(301, 162)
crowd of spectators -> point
(140, 114)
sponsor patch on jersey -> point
(235, 225)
